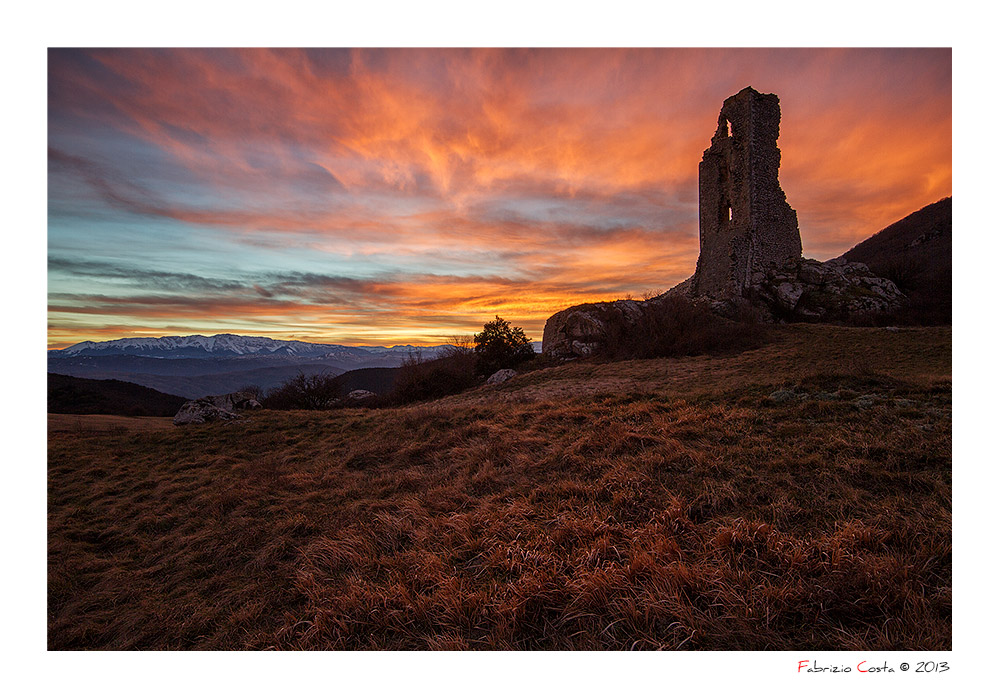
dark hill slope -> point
(915, 253)
(68, 394)
(217, 384)
(380, 380)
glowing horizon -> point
(407, 196)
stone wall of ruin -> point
(746, 226)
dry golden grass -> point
(636, 505)
(106, 423)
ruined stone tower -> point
(750, 247)
(746, 226)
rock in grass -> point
(783, 395)
(197, 412)
(216, 408)
(239, 400)
(501, 376)
(865, 402)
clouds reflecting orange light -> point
(449, 185)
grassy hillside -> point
(68, 394)
(106, 424)
(915, 253)
(795, 496)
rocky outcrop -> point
(234, 402)
(359, 395)
(584, 330)
(197, 412)
(833, 290)
(580, 330)
(216, 408)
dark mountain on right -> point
(915, 253)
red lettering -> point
(801, 663)
(860, 664)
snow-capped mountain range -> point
(228, 345)
(196, 365)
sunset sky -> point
(384, 196)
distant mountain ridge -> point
(230, 345)
(198, 365)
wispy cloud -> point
(450, 182)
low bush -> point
(418, 379)
(501, 346)
(675, 326)
(305, 392)
(463, 365)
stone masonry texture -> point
(746, 226)
(751, 250)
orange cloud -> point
(571, 173)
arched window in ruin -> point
(729, 130)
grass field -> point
(797, 496)
(109, 424)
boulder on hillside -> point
(579, 330)
(216, 408)
(238, 400)
(591, 328)
(202, 410)
(501, 376)
(359, 395)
